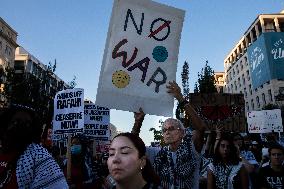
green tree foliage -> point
(185, 77)
(206, 80)
(158, 136)
(33, 91)
(195, 88)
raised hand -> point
(175, 90)
(139, 116)
(219, 130)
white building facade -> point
(26, 63)
(255, 66)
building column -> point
(256, 30)
(246, 42)
(262, 24)
(276, 23)
(242, 47)
(251, 36)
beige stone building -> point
(8, 45)
(219, 81)
(249, 66)
(26, 63)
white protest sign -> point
(264, 121)
(68, 112)
(140, 57)
(96, 122)
(274, 120)
(255, 122)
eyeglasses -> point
(164, 130)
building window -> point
(247, 105)
(281, 26)
(270, 95)
(269, 27)
(232, 88)
(245, 91)
(257, 102)
(281, 90)
(35, 70)
(8, 50)
(237, 68)
(0, 45)
(19, 65)
(236, 88)
(252, 104)
(250, 90)
(239, 82)
(248, 77)
(263, 98)
(246, 61)
(244, 80)
(234, 72)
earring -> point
(141, 167)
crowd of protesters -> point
(190, 159)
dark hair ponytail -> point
(149, 174)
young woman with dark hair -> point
(24, 163)
(128, 165)
(226, 171)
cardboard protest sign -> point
(223, 109)
(96, 122)
(140, 57)
(264, 121)
(102, 146)
(68, 113)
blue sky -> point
(74, 32)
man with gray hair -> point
(177, 164)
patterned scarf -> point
(37, 169)
(224, 174)
(182, 175)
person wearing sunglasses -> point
(177, 164)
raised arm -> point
(175, 90)
(139, 117)
(198, 123)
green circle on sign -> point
(160, 53)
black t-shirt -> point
(148, 186)
(269, 178)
